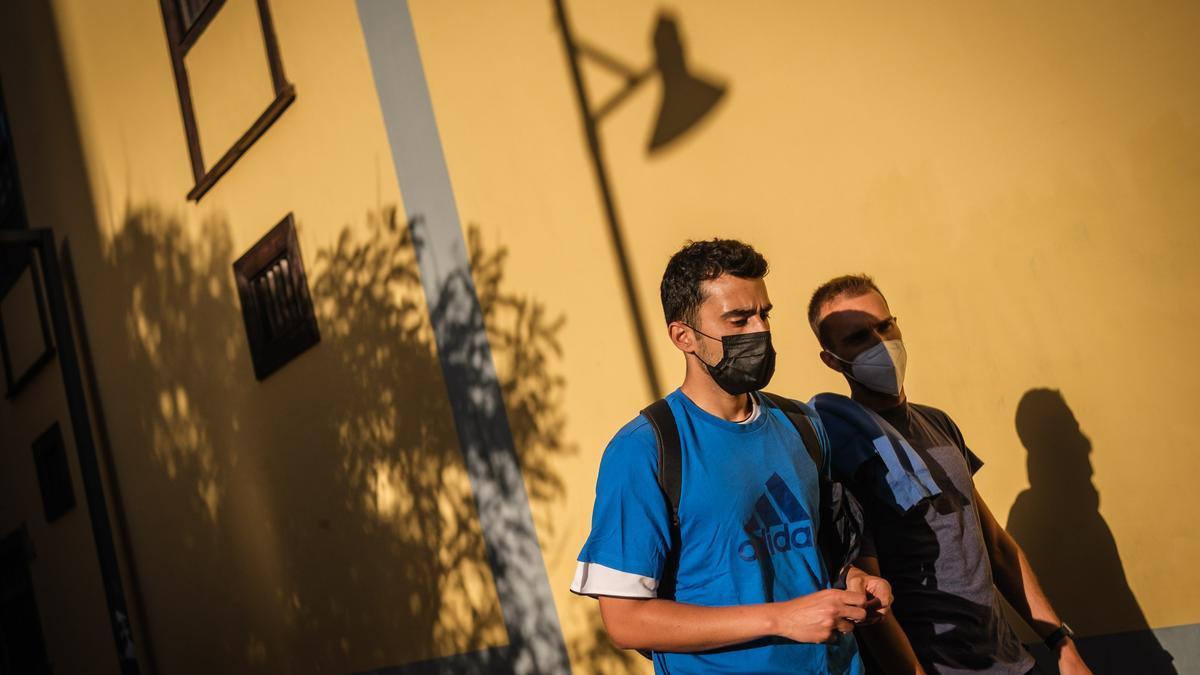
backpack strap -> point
(670, 480)
(840, 522)
(808, 433)
(670, 461)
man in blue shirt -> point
(744, 590)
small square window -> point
(276, 306)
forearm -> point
(1013, 575)
(890, 647)
(1015, 579)
(886, 640)
(668, 626)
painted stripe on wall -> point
(1183, 643)
(535, 638)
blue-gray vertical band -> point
(535, 642)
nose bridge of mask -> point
(896, 352)
(899, 358)
(739, 341)
(745, 343)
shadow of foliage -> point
(592, 647)
(320, 520)
(524, 342)
(168, 349)
(399, 473)
(173, 283)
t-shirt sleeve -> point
(951, 428)
(627, 546)
(973, 461)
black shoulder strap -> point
(670, 464)
(808, 433)
(839, 537)
(670, 479)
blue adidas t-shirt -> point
(747, 513)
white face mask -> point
(880, 368)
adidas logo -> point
(776, 527)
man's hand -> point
(822, 616)
(1069, 660)
(877, 590)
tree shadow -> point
(169, 354)
(592, 647)
(1085, 580)
(521, 339)
(414, 566)
(320, 520)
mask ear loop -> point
(706, 363)
(848, 372)
(701, 332)
(849, 363)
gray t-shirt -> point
(935, 557)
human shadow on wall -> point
(1058, 524)
(320, 520)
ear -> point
(682, 337)
(832, 363)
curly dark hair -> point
(700, 261)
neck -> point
(873, 399)
(699, 386)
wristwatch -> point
(1061, 633)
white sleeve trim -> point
(594, 579)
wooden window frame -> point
(180, 40)
(17, 381)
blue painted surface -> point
(535, 642)
(1162, 651)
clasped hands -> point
(826, 615)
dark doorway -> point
(22, 649)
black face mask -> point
(747, 364)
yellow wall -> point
(1019, 179)
(318, 521)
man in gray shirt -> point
(934, 539)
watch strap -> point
(1061, 633)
